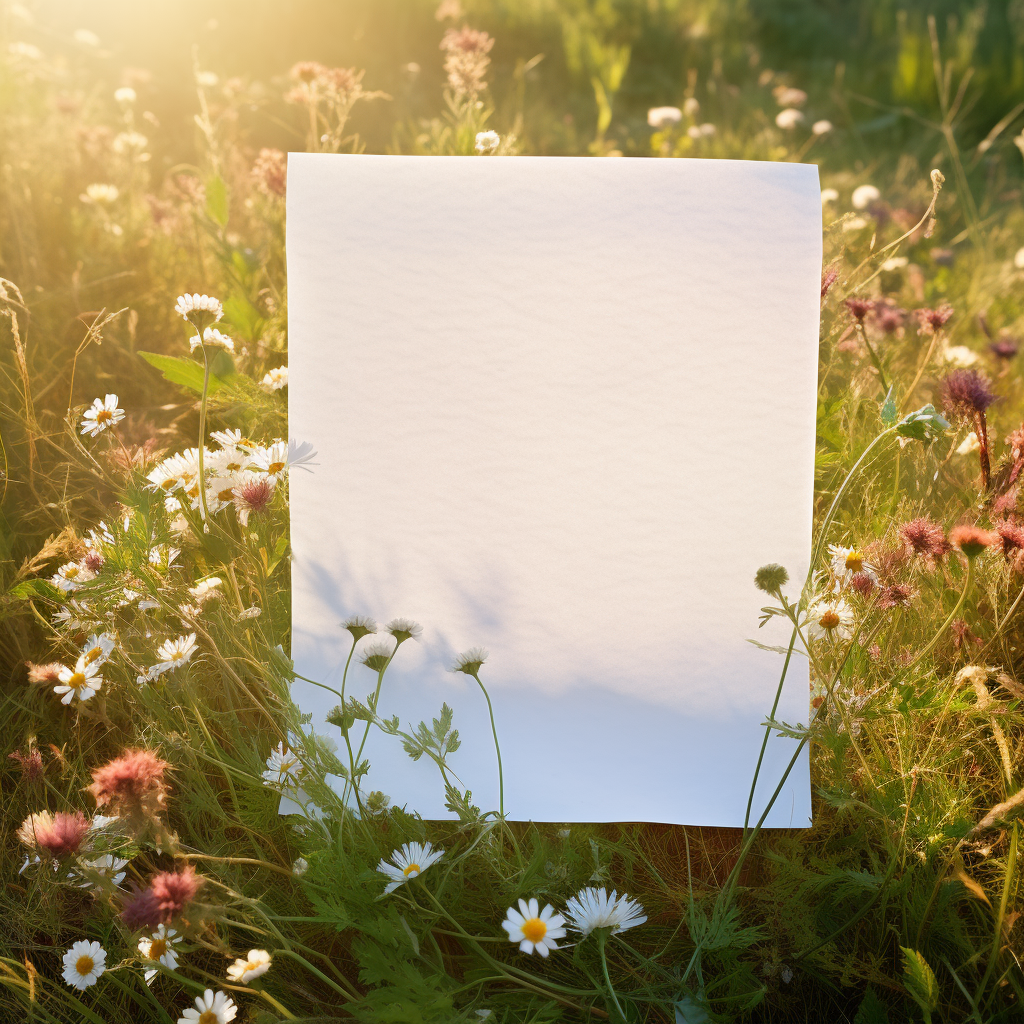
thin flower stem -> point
(952, 615)
(202, 427)
(601, 940)
(497, 747)
(874, 359)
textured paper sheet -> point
(564, 409)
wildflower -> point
(864, 195)
(274, 380)
(211, 336)
(789, 118)
(174, 653)
(132, 785)
(854, 223)
(252, 492)
(960, 356)
(359, 626)
(107, 867)
(593, 908)
(972, 540)
(101, 414)
(848, 561)
(487, 142)
(896, 595)
(98, 648)
(60, 834)
(125, 95)
(829, 195)
(822, 127)
(31, 763)
(1004, 348)
(466, 60)
(283, 767)
(71, 576)
(377, 655)
(127, 143)
(787, 96)
(199, 310)
(863, 583)
(300, 867)
(962, 634)
(253, 612)
(270, 172)
(210, 1009)
(173, 891)
(771, 578)
(206, 589)
(43, 675)
(1010, 537)
(207, 79)
(924, 537)
(895, 263)
(535, 930)
(404, 629)
(829, 618)
(83, 681)
(100, 194)
(408, 862)
(932, 320)
(969, 445)
(279, 458)
(828, 278)
(664, 117)
(255, 964)
(859, 308)
(84, 962)
(470, 661)
(159, 948)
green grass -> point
(899, 904)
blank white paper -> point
(564, 409)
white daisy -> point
(789, 118)
(244, 971)
(229, 439)
(108, 867)
(847, 562)
(174, 653)
(98, 648)
(408, 862)
(211, 336)
(593, 908)
(404, 629)
(487, 142)
(832, 618)
(206, 589)
(98, 193)
(276, 460)
(252, 612)
(100, 821)
(220, 492)
(969, 445)
(199, 310)
(72, 575)
(300, 867)
(822, 127)
(159, 947)
(864, 195)
(283, 768)
(101, 414)
(274, 380)
(126, 94)
(664, 117)
(470, 661)
(84, 962)
(162, 556)
(77, 615)
(175, 471)
(82, 681)
(828, 195)
(535, 930)
(210, 1009)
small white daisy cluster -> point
(103, 413)
(830, 615)
(284, 769)
(83, 680)
(239, 473)
(171, 655)
(533, 928)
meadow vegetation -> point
(148, 732)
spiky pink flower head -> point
(1004, 348)
(932, 320)
(94, 561)
(254, 493)
(307, 71)
(966, 392)
(972, 540)
(133, 784)
(31, 764)
(888, 317)
(270, 172)
(1006, 503)
(43, 674)
(60, 835)
(898, 595)
(926, 538)
(962, 634)
(140, 910)
(828, 278)
(862, 583)
(173, 891)
(859, 308)
(1011, 537)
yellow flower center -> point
(103, 415)
(234, 466)
(77, 680)
(84, 965)
(534, 929)
(855, 561)
(71, 571)
(829, 619)
(275, 467)
(226, 495)
(157, 948)
(93, 654)
(169, 483)
(208, 1017)
(410, 870)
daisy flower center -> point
(829, 619)
(411, 870)
(208, 1017)
(103, 415)
(92, 655)
(534, 929)
(157, 948)
(71, 572)
(169, 483)
(855, 561)
(275, 467)
(226, 494)
(84, 965)
(77, 680)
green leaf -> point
(888, 411)
(36, 588)
(217, 199)
(186, 373)
(243, 316)
(690, 1011)
(871, 1010)
(924, 424)
(920, 983)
